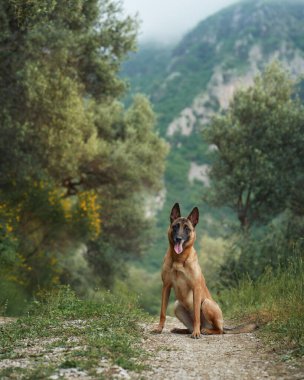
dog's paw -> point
(196, 335)
(157, 330)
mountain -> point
(145, 68)
(189, 82)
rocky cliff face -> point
(223, 83)
(226, 51)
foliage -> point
(211, 256)
(257, 169)
(257, 172)
(276, 298)
(132, 168)
(105, 326)
(144, 285)
(59, 58)
(75, 162)
(270, 246)
(38, 237)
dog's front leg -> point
(197, 299)
(164, 304)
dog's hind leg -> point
(185, 317)
(212, 318)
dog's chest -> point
(178, 269)
(181, 283)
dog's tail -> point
(245, 328)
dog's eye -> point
(176, 227)
(187, 229)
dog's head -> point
(182, 230)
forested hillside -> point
(197, 78)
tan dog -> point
(194, 306)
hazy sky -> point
(168, 20)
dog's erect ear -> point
(175, 213)
(194, 216)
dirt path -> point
(171, 357)
(214, 357)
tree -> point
(258, 164)
(129, 168)
(74, 163)
(56, 59)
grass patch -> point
(276, 301)
(61, 331)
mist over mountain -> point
(167, 21)
(189, 82)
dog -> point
(194, 306)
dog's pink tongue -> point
(178, 248)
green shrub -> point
(268, 246)
(275, 298)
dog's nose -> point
(178, 239)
